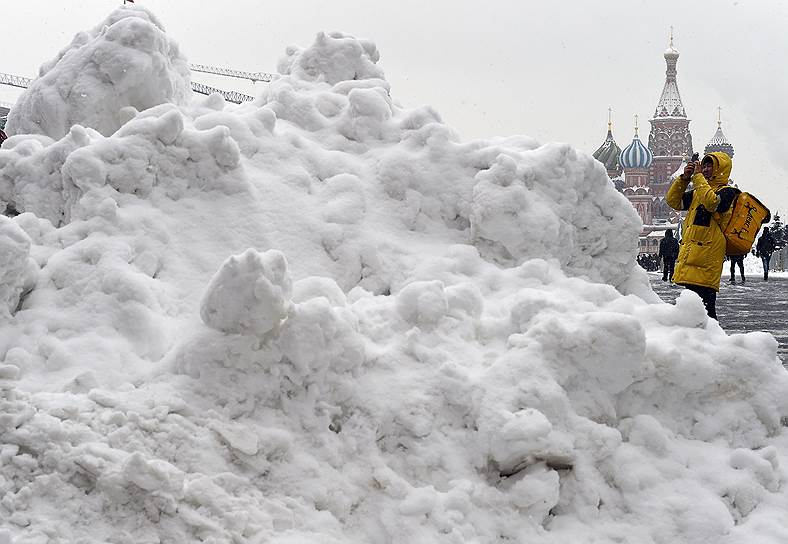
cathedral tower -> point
(670, 139)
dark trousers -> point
(737, 259)
(709, 297)
(667, 268)
(765, 260)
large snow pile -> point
(319, 317)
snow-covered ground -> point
(319, 317)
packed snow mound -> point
(147, 158)
(320, 317)
(126, 61)
(336, 147)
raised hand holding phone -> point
(690, 168)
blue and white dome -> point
(636, 155)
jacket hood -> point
(722, 168)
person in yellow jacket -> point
(708, 207)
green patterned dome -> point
(608, 153)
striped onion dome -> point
(636, 155)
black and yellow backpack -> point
(747, 215)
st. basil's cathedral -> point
(643, 173)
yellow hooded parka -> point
(708, 207)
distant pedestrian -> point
(668, 251)
(764, 249)
(737, 259)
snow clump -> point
(126, 61)
(249, 294)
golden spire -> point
(609, 119)
(636, 124)
(719, 116)
(671, 36)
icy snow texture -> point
(468, 351)
(17, 269)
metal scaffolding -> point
(230, 96)
(254, 76)
(15, 81)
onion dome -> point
(671, 53)
(609, 152)
(636, 155)
(719, 142)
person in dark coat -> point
(668, 251)
(764, 249)
(737, 259)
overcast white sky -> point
(545, 69)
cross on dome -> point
(719, 142)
